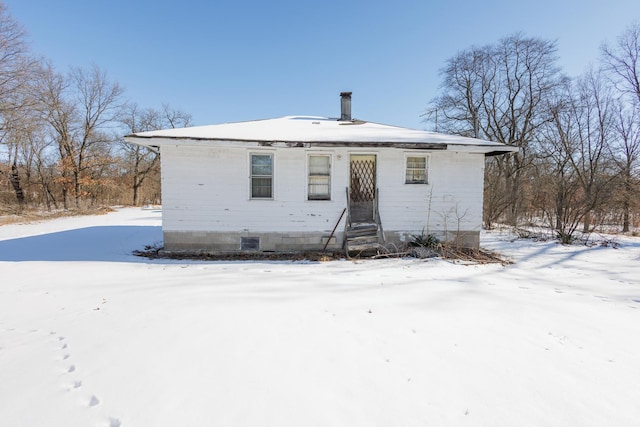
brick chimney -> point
(345, 106)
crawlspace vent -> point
(249, 243)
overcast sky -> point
(239, 60)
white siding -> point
(452, 200)
(207, 188)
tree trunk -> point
(587, 222)
(15, 182)
(626, 205)
(65, 198)
(135, 193)
(76, 187)
(47, 196)
(625, 218)
(136, 171)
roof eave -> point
(507, 149)
(154, 142)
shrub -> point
(423, 240)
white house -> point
(303, 183)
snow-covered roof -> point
(318, 131)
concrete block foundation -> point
(211, 241)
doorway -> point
(362, 187)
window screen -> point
(319, 178)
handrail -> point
(348, 222)
(375, 205)
(377, 216)
(334, 230)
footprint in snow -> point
(77, 384)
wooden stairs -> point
(362, 237)
(363, 234)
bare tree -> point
(173, 118)
(141, 161)
(44, 164)
(498, 92)
(625, 151)
(595, 118)
(574, 173)
(556, 186)
(19, 125)
(622, 61)
(81, 108)
(17, 67)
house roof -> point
(316, 132)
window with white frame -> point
(319, 177)
(416, 170)
(261, 176)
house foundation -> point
(229, 242)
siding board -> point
(207, 188)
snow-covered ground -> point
(93, 336)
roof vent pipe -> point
(345, 106)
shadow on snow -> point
(100, 243)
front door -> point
(362, 187)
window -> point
(261, 176)
(319, 178)
(416, 170)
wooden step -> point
(363, 248)
(361, 225)
(366, 242)
(362, 240)
(362, 237)
(362, 230)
